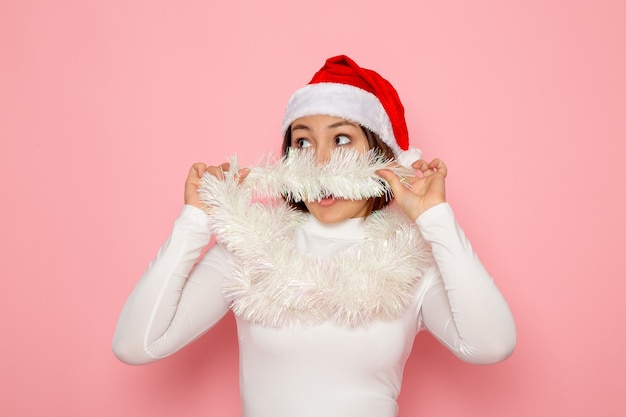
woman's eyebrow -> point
(332, 126)
(300, 126)
(342, 123)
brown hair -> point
(376, 203)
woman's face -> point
(323, 134)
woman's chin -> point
(328, 218)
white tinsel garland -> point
(348, 174)
(276, 285)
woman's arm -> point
(174, 302)
(463, 308)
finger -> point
(196, 171)
(423, 167)
(198, 166)
(242, 174)
(397, 184)
(432, 167)
(438, 166)
(217, 172)
(418, 164)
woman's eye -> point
(302, 143)
(342, 140)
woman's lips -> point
(327, 201)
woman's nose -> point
(322, 155)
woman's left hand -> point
(418, 193)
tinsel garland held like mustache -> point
(298, 176)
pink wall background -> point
(104, 105)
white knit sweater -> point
(317, 370)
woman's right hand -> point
(196, 172)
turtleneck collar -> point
(349, 229)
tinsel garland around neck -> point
(276, 285)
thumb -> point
(242, 174)
(394, 181)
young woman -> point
(330, 287)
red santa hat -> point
(343, 89)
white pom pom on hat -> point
(343, 89)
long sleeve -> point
(462, 307)
(174, 302)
